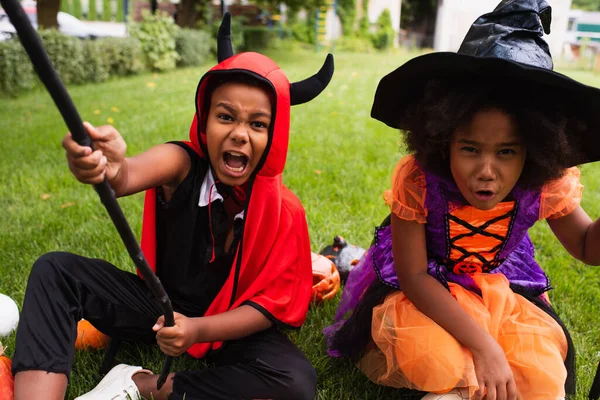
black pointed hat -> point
(506, 44)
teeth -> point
(239, 169)
(236, 154)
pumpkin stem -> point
(2, 349)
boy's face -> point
(237, 131)
(486, 158)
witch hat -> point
(505, 45)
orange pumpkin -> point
(7, 383)
(326, 278)
(89, 337)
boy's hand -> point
(175, 340)
(90, 167)
(494, 376)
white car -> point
(67, 24)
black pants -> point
(64, 287)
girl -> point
(227, 238)
(449, 297)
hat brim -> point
(405, 85)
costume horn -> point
(309, 88)
(224, 47)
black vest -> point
(184, 246)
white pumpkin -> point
(9, 315)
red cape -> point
(272, 266)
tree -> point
(47, 10)
(294, 5)
(190, 11)
(416, 11)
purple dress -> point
(514, 256)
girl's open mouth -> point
(235, 162)
(484, 195)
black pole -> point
(595, 390)
(48, 75)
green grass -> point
(340, 161)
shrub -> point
(77, 8)
(75, 60)
(364, 27)
(237, 34)
(120, 17)
(106, 10)
(156, 34)
(383, 37)
(122, 56)
(354, 44)
(258, 38)
(66, 53)
(92, 11)
(16, 71)
(95, 66)
(64, 6)
(302, 32)
(193, 47)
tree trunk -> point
(187, 13)
(153, 6)
(47, 10)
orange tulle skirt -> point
(409, 350)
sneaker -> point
(117, 385)
(454, 394)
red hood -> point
(263, 68)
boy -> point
(227, 239)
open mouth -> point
(484, 194)
(235, 162)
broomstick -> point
(595, 390)
(48, 75)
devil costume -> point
(485, 259)
(268, 266)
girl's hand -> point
(175, 340)
(494, 376)
(107, 158)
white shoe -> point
(454, 394)
(116, 385)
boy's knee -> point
(304, 383)
(48, 265)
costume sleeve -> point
(562, 196)
(286, 298)
(406, 199)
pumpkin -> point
(326, 278)
(89, 337)
(9, 315)
(7, 383)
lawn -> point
(340, 161)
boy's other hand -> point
(106, 159)
(174, 340)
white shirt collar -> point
(208, 196)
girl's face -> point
(237, 131)
(486, 158)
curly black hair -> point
(548, 131)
